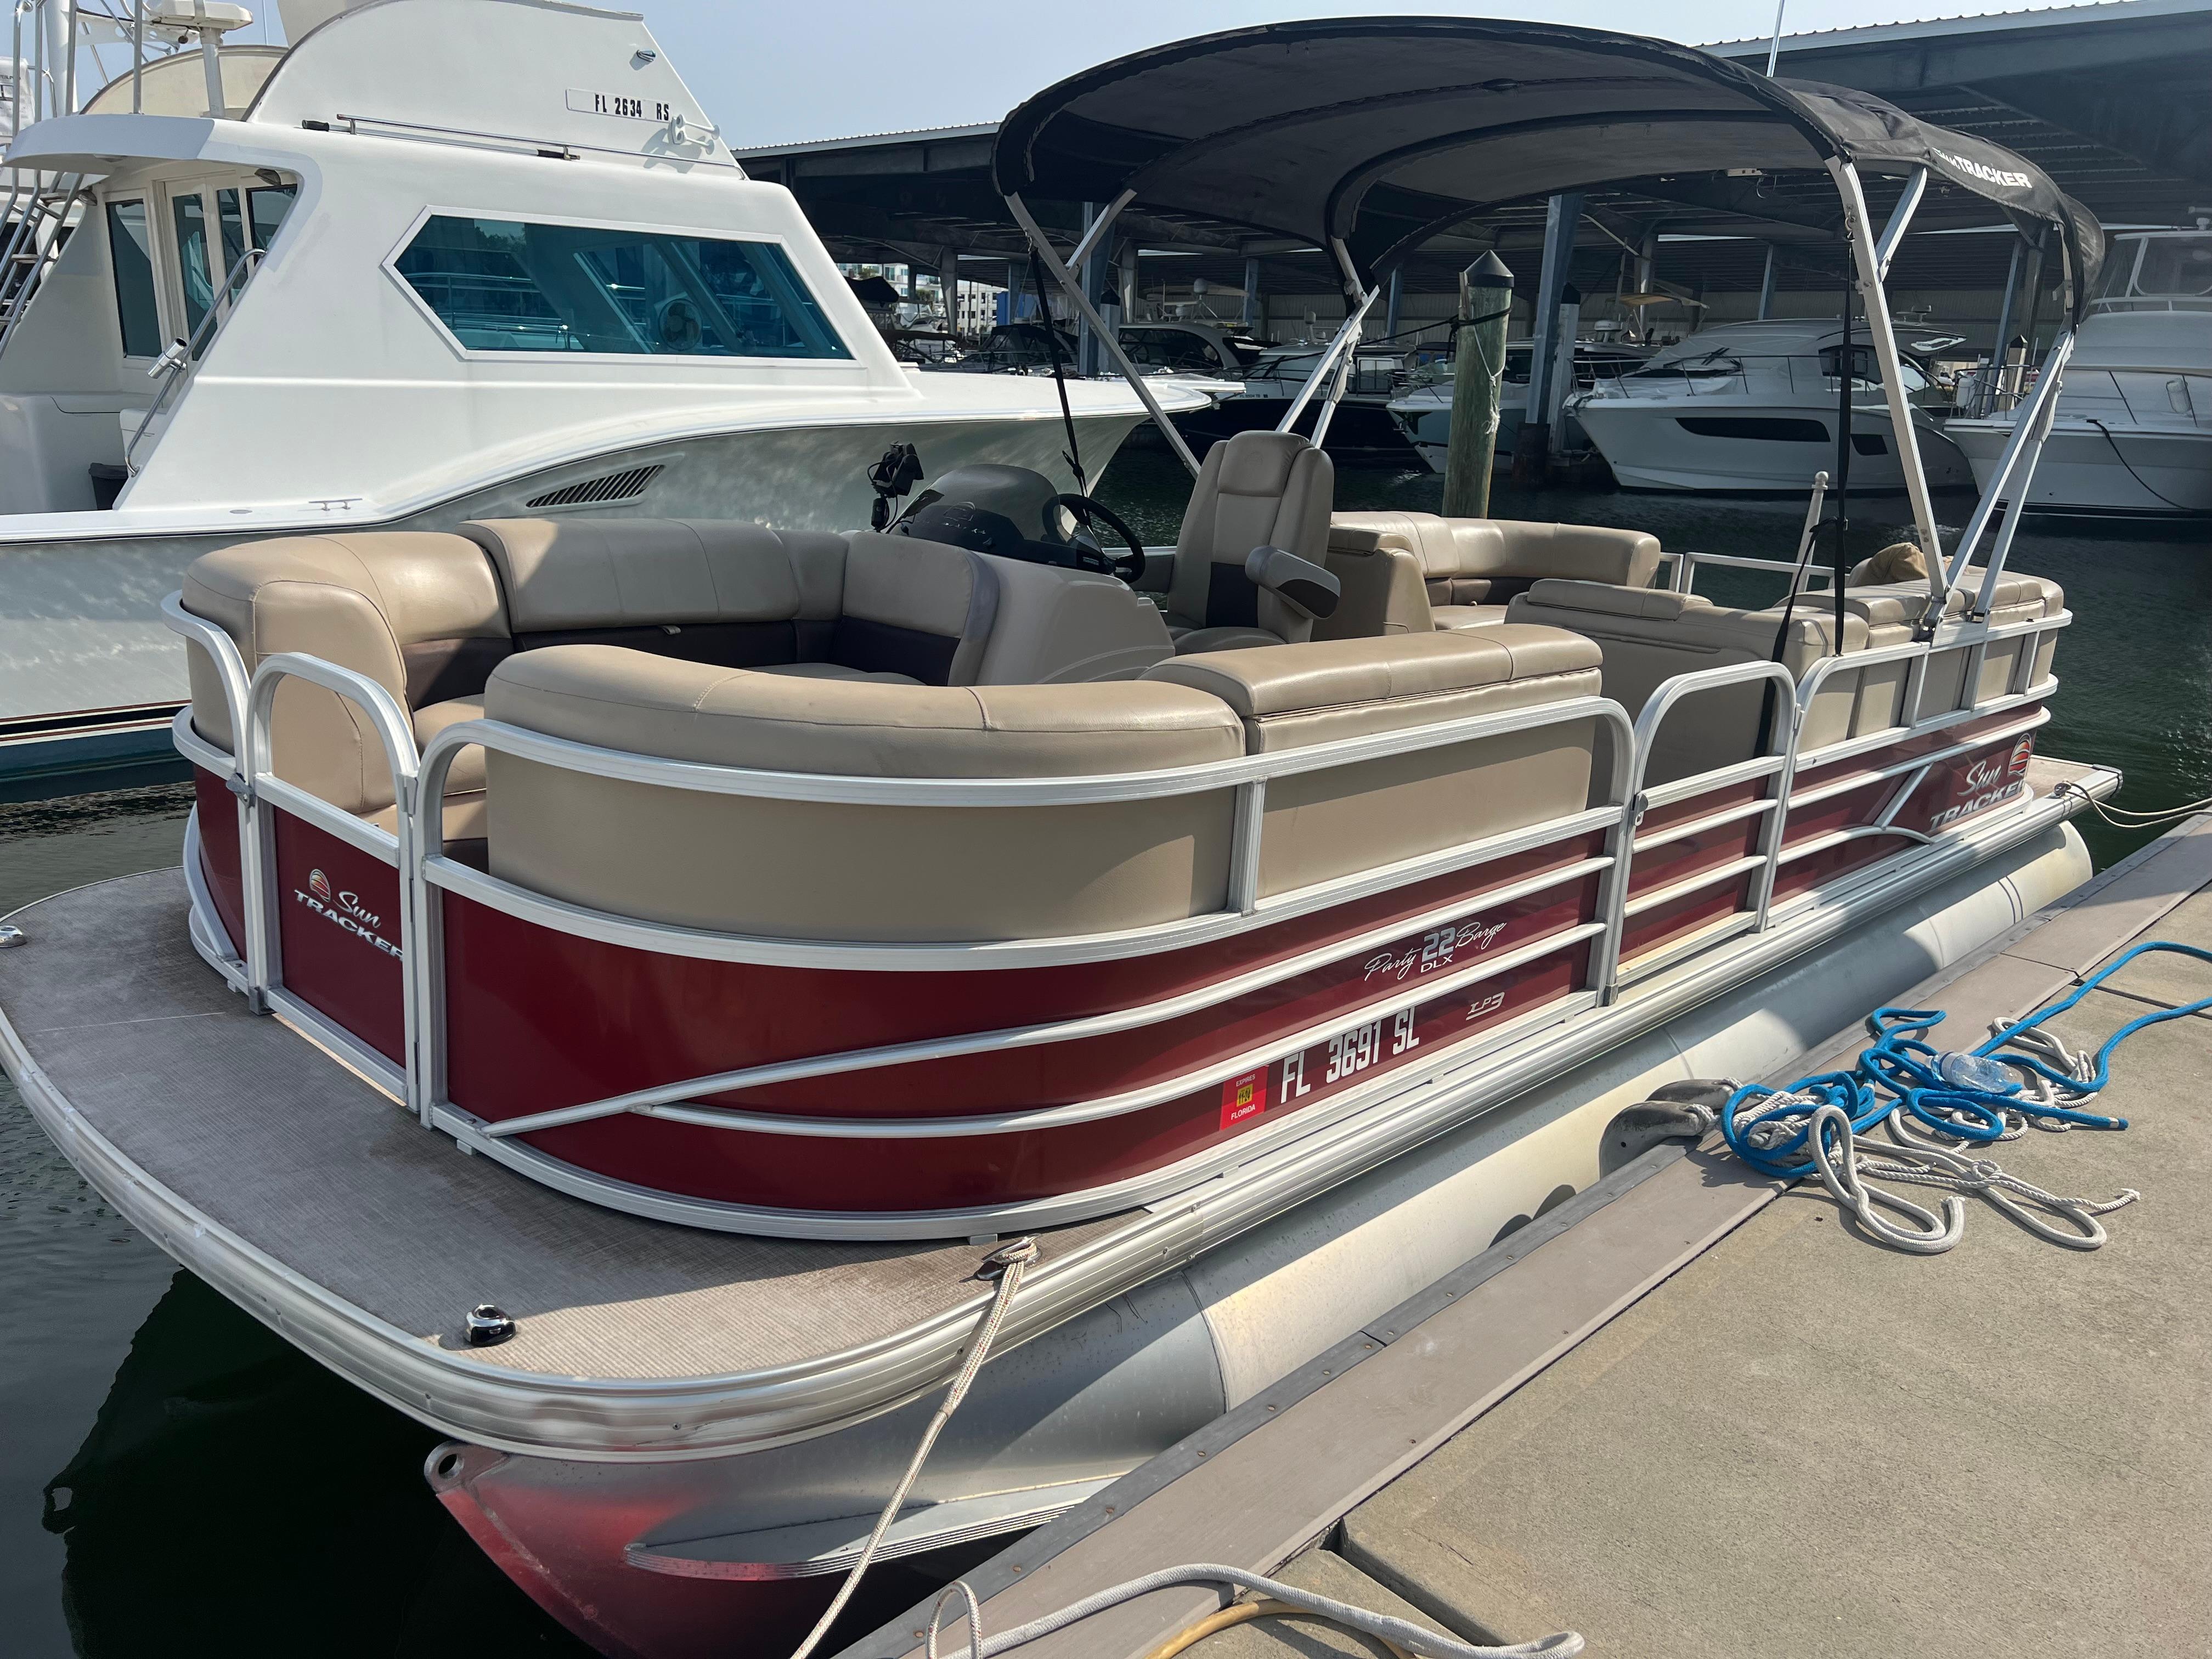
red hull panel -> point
(338, 925)
(219, 861)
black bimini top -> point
(1384, 132)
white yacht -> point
(1422, 412)
(1750, 408)
(2133, 434)
(366, 281)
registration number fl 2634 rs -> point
(619, 105)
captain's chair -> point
(1257, 490)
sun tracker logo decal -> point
(344, 910)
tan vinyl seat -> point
(1650, 636)
(1323, 824)
(1472, 568)
(2016, 599)
(419, 613)
(843, 870)
(1254, 489)
(429, 616)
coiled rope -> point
(1937, 1107)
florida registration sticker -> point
(1244, 1096)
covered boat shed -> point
(2105, 99)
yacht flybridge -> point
(780, 917)
(440, 259)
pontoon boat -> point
(625, 976)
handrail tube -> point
(229, 666)
(437, 871)
(396, 732)
(1648, 721)
(846, 789)
(1072, 285)
(217, 317)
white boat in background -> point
(1424, 413)
(2133, 434)
(379, 286)
(1750, 408)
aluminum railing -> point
(415, 850)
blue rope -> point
(1943, 1091)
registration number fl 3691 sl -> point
(1335, 1062)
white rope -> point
(1837, 1155)
(1414, 1638)
(2128, 818)
(1012, 1259)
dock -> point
(1692, 1412)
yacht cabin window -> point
(507, 285)
(130, 252)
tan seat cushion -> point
(836, 670)
(855, 871)
(1474, 561)
(1453, 618)
(1321, 825)
(402, 607)
(1293, 695)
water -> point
(213, 1492)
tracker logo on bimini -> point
(1985, 173)
(344, 910)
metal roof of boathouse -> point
(2106, 99)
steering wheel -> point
(1129, 566)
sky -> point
(780, 71)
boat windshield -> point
(1170, 349)
(504, 285)
(2157, 270)
(2177, 265)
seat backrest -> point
(418, 611)
(1513, 554)
(849, 870)
(1650, 636)
(1323, 824)
(1383, 587)
(1254, 489)
(744, 596)
(1488, 560)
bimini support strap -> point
(1072, 285)
(1870, 252)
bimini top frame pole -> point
(1064, 272)
(1872, 256)
(1455, 118)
